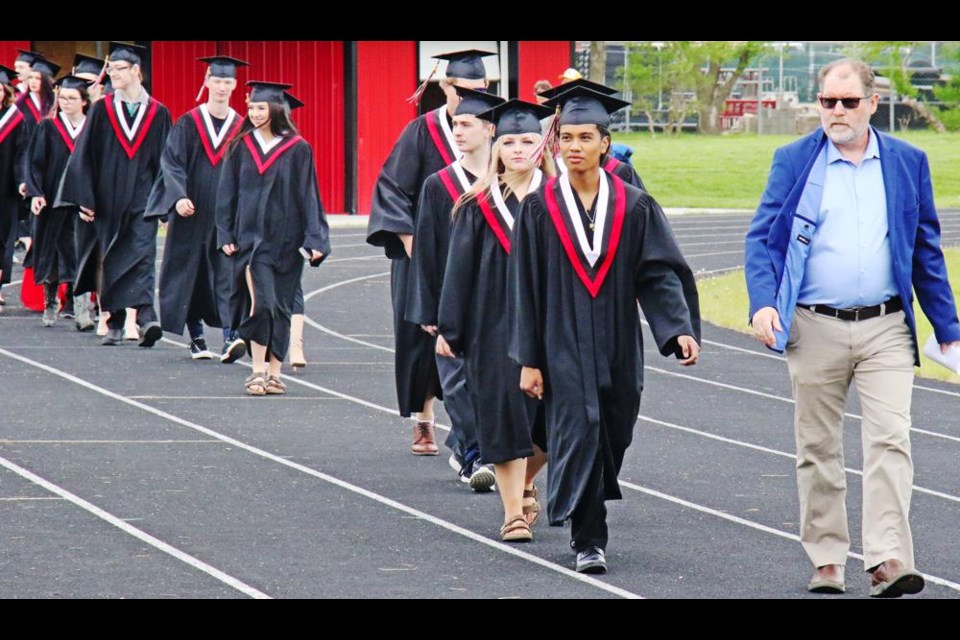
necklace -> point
(593, 217)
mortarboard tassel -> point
(204, 85)
(549, 140)
(415, 98)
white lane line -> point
(933, 579)
(476, 537)
(761, 394)
(354, 259)
(354, 246)
(782, 454)
(759, 527)
(129, 529)
(231, 398)
(714, 253)
(761, 354)
(709, 244)
(28, 499)
(770, 396)
(194, 441)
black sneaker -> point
(198, 349)
(233, 351)
(591, 560)
(479, 476)
(149, 334)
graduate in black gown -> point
(586, 248)
(622, 170)
(473, 318)
(109, 176)
(37, 104)
(12, 138)
(54, 228)
(425, 146)
(428, 262)
(94, 71)
(195, 277)
(269, 218)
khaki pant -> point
(823, 355)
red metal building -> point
(355, 92)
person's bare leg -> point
(273, 366)
(535, 463)
(258, 352)
(510, 477)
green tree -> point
(949, 92)
(891, 58)
(688, 77)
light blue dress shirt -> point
(849, 263)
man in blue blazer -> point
(846, 230)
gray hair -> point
(859, 67)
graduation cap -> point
(581, 105)
(45, 66)
(474, 102)
(220, 67)
(223, 66)
(467, 64)
(27, 56)
(516, 116)
(132, 53)
(263, 91)
(291, 101)
(87, 64)
(582, 82)
(7, 75)
(72, 82)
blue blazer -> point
(778, 240)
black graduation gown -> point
(623, 171)
(32, 117)
(588, 345)
(422, 150)
(54, 230)
(13, 136)
(194, 277)
(113, 175)
(474, 320)
(268, 206)
(431, 241)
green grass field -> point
(723, 301)
(730, 171)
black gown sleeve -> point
(38, 161)
(460, 278)
(227, 192)
(171, 183)
(80, 176)
(525, 289)
(316, 229)
(665, 285)
(395, 193)
(426, 269)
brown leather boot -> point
(424, 439)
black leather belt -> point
(857, 313)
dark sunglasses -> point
(848, 103)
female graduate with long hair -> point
(473, 306)
(12, 138)
(54, 249)
(269, 218)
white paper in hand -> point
(950, 359)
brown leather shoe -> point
(424, 439)
(827, 579)
(890, 579)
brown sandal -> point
(531, 508)
(275, 386)
(255, 384)
(516, 530)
